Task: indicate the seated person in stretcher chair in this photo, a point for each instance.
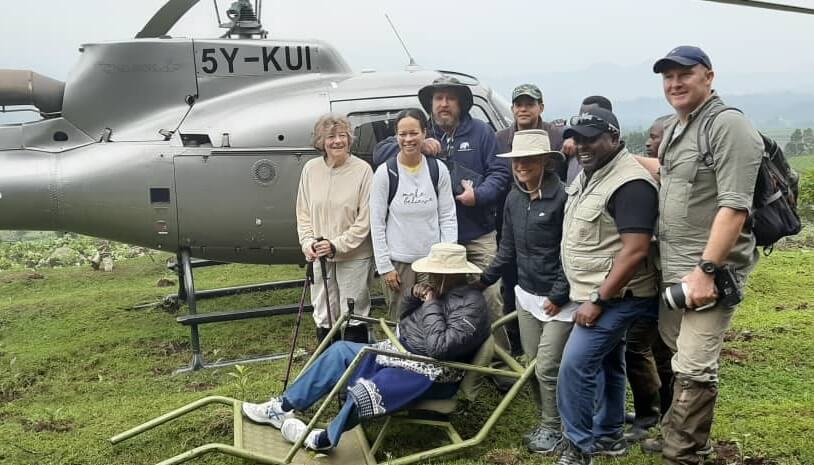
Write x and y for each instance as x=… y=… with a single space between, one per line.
x=444 y=319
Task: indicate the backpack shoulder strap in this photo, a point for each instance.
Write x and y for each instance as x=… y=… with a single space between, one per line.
x=432 y=164
x=704 y=131
x=393 y=178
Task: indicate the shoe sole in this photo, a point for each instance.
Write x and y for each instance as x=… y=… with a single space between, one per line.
x=262 y=420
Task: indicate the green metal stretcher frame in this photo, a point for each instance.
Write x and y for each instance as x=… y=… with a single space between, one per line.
x=518 y=372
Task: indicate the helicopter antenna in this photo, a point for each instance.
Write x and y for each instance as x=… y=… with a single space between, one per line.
x=767 y=6
x=412 y=65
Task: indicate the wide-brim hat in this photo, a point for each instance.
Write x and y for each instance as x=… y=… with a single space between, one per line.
x=530 y=143
x=445 y=258
x=449 y=83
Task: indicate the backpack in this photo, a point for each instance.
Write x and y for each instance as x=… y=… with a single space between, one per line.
x=393 y=177
x=774 y=205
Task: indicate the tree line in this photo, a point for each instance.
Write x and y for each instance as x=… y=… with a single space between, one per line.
x=800 y=143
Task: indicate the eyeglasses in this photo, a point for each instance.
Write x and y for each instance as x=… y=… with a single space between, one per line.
x=587 y=119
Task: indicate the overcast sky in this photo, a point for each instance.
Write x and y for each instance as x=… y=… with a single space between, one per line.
x=491 y=39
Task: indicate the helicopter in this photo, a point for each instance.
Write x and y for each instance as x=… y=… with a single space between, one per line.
x=186 y=144
x=194 y=146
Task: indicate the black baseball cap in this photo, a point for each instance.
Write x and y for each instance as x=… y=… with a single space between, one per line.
x=592 y=123
x=683 y=55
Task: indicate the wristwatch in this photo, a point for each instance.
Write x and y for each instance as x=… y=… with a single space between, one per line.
x=596 y=299
x=707 y=266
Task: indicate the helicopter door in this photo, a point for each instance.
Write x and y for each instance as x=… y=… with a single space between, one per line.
x=238 y=204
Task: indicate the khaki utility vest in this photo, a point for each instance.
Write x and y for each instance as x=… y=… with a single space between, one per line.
x=590 y=240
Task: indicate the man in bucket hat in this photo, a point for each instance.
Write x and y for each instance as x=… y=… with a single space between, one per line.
x=532 y=231
x=479 y=178
x=444 y=319
x=606 y=254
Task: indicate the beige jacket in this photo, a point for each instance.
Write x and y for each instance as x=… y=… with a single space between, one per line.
x=333 y=203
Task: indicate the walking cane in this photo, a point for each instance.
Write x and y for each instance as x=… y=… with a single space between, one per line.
x=309 y=279
x=322 y=268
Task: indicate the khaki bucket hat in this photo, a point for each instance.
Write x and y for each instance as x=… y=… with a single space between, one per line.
x=529 y=143
x=445 y=258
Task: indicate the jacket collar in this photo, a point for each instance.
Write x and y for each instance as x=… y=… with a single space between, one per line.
x=464 y=126
x=579 y=183
x=710 y=101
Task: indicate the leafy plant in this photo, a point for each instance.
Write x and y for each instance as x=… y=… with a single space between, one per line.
x=241 y=378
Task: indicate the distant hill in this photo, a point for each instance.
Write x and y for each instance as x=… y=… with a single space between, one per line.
x=771 y=99
x=786 y=110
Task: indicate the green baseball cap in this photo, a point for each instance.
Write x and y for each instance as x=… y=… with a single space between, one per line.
x=527 y=89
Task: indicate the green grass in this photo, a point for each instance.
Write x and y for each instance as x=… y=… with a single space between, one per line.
x=802 y=163
x=77 y=366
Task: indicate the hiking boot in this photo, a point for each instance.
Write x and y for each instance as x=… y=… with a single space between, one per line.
x=610 y=446
x=654 y=446
x=570 y=455
x=545 y=441
x=687 y=425
x=270 y=413
x=527 y=438
x=630 y=417
x=293 y=429
x=636 y=433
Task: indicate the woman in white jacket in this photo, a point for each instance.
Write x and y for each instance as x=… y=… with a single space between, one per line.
x=406 y=219
x=333 y=221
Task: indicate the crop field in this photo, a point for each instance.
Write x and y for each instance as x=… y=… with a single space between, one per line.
x=78 y=365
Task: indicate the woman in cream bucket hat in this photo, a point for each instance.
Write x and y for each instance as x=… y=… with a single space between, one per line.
x=532 y=231
x=446 y=259
x=446 y=322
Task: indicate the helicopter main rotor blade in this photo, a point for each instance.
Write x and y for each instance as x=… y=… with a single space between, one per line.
x=165 y=18
x=767 y=6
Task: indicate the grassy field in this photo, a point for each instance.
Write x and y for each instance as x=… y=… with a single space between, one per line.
x=77 y=366
x=802 y=163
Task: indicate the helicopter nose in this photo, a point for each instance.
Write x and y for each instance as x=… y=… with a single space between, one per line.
x=28 y=191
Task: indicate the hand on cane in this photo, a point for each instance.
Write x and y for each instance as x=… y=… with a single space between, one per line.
x=393 y=280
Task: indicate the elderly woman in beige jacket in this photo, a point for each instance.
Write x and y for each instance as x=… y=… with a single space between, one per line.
x=332 y=204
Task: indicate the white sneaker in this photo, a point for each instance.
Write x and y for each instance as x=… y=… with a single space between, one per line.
x=292 y=431
x=270 y=413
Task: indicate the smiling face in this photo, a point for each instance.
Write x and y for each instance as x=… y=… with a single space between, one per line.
x=446 y=108
x=526 y=111
x=337 y=142
x=593 y=153
x=686 y=88
x=410 y=136
x=528 y=170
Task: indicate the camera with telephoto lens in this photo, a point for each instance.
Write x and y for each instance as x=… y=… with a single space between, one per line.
x=726 y=283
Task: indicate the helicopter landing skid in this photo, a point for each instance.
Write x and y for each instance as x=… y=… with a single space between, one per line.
x=188 y=295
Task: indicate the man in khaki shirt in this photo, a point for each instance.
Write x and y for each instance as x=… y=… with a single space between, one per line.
x=704 y=204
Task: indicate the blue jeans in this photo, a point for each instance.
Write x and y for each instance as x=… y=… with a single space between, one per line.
x=591 y=385
x=318 y=381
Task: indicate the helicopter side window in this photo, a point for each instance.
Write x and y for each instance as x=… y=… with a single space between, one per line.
x=477 y=112
x=369 y=129
x=372 y=127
